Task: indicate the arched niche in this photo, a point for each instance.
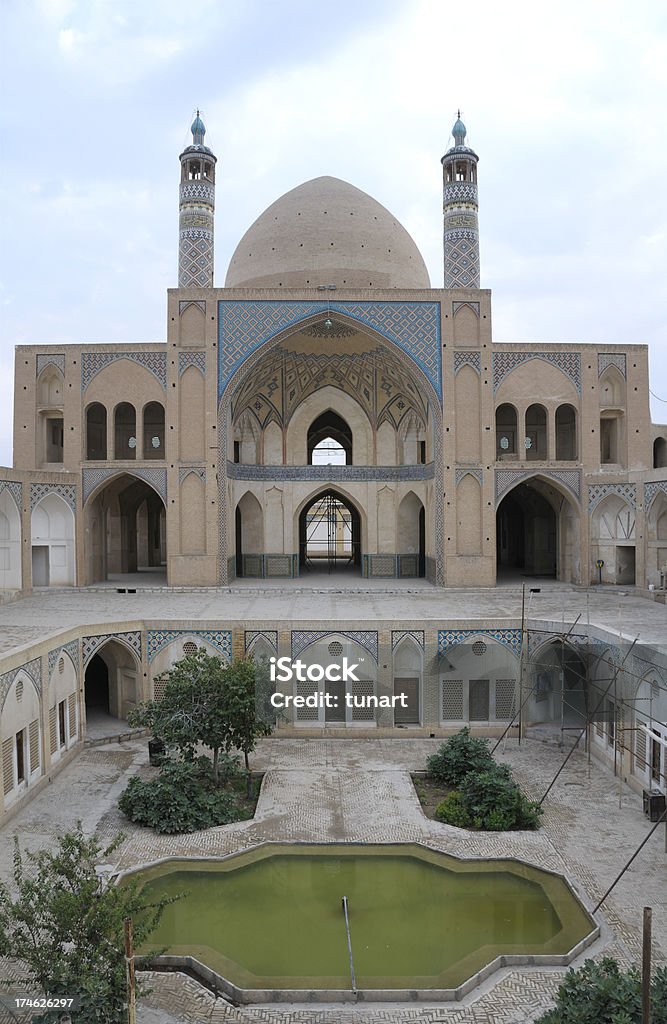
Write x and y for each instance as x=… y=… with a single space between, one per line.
x=411 y=534
x=329 y=440
x=478 y=681
x=125 y=431
x=611 y=389
x=386 y=444
x=557 y=686
x=20 y=735
x=180 y=647
x=96 y=431
x=536 y=433
x=330 y=651
x=50 y=387
x=566 y=433
x=63 y=706
x=191 y=415
x=192 y=515
x=613 y=540
x=660 y=453
x=10 y=543
x=408 y=667
x=469 y=516
x=348 y=409
x=112 y=682
x=506 y=431
x=53 y=554
x=273 y=444
x=249 y=526
x=153 y=433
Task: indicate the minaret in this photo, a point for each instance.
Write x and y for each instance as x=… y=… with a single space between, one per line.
x=196 y=212
x=459 y=209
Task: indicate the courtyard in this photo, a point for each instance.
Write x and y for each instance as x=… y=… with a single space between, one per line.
x=360 y=790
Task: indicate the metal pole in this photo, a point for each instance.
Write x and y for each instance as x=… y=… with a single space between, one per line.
x=131 y=981
x=349 y=944
x=523 y=641
x=663 y=817
x=646 y=967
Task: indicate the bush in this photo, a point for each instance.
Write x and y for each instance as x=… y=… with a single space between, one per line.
x=452 y=811
x=600 y=993
x=183 y=798
x=494 y=802
x=457 y=757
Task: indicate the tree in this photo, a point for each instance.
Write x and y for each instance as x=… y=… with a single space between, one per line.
x=209 y=703
x=241 y=713
x=67 y=932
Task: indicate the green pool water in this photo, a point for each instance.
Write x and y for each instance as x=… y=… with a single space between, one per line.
x=273 y=918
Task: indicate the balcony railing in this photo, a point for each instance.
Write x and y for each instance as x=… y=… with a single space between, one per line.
x=242 y=471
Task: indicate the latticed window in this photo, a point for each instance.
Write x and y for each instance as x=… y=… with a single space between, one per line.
x=452 y=700
x=305 y=688
x=33 y=744
x=8 y=765
x=362 y=688
x=53 y=729
x=71 y=707
x=505 y=701
x=640 y=750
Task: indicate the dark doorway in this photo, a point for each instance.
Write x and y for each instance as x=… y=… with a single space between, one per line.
x=422 y=541
x=329 y=535
x=97 y=685
x=526 y=533
x=239 y=543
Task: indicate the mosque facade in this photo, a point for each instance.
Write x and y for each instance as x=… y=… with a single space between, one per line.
x=326 y=411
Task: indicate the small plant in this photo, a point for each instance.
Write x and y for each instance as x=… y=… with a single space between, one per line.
x=452 y=812
x=457 y=757
x=601 y=993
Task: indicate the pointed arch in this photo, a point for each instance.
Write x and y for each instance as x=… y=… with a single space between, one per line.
x=52 y=536
x=125 y=522
x=538 y=529
x=408 y=663
x=112 y=680
x=10 y=542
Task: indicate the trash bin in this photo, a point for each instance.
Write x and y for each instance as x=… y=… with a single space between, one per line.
x=156 y=752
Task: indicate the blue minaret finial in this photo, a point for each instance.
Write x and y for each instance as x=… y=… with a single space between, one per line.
x=198 y=130
x=459 y=130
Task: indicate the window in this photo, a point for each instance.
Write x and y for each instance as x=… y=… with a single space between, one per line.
x=62 y=732
x=54 y=439
x=96 y=431
x=20 y=756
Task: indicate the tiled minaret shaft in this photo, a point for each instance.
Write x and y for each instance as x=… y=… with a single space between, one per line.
x=459 y=209
x=196 y=212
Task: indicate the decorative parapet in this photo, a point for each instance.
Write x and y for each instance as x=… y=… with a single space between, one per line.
x=239 y=471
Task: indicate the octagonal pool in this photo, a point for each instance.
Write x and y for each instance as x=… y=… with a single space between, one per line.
x=271 y=921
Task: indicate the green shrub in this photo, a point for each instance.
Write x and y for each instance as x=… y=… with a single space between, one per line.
x=183 y=798
x=494 y=802
x=457 y=757
x=452 y=811
x=601 y=993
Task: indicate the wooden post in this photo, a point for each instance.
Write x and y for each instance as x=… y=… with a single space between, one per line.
x=129 y=964
x=646 y=967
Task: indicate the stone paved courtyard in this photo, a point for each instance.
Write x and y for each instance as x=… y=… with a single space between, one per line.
x=360 y=790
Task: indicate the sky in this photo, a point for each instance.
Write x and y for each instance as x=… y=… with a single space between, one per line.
x=564 y=103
